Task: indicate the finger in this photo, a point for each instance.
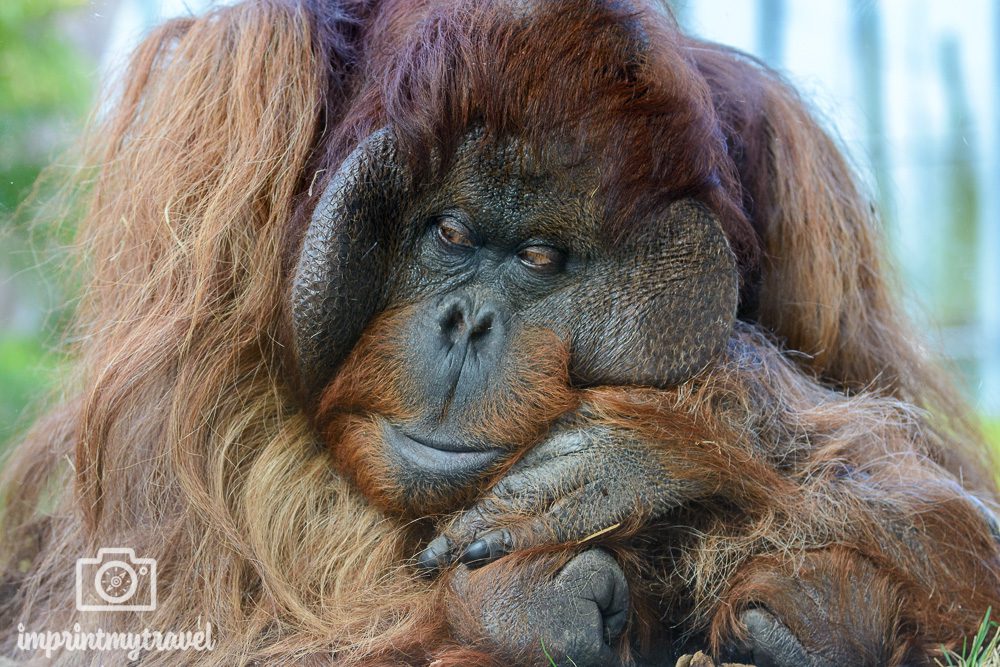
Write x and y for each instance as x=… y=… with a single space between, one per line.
x=445 y=549
x=561 y=445
x=523 y=494
x=489 y=547
x=539 y=531
x=455 y=543
x=770 y=642
x=582 y=515
x=546 y=473
x=531 y=488
x=603 y=581
x=436 y=555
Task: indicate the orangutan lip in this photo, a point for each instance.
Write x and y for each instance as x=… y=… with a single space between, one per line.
x=440 y=445
x=445 y=458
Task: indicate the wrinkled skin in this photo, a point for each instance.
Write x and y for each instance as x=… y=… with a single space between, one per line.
x=578 y=613
x=498 y=249
x=526 y=251
x=579 y=481
x=463 y=271
x=583 y=480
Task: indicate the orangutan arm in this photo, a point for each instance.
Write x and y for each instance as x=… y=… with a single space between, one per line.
x=582 y=480
x=527 y=607
x=763 y=463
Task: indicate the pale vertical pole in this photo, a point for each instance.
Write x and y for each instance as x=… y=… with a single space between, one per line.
x=771 y=31
x=989 y=247
x=866 y=28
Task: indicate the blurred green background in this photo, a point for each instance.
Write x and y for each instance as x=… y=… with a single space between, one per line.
x=46 y=88
x=913 y=94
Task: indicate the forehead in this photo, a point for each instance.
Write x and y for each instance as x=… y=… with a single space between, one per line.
x=511 y=192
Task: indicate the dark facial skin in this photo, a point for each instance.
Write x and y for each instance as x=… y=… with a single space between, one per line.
x=467 y=305
x=505 y=244
x=486 y=264
x=469 y=271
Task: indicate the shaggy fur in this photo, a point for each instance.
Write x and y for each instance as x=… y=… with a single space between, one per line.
x=181 y=433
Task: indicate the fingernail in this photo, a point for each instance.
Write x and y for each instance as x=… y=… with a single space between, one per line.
x=478 y=550
x=428 y=559
x=435 y=554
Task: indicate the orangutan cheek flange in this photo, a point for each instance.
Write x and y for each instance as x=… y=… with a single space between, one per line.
x=433 y=333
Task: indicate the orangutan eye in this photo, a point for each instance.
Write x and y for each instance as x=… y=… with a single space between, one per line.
x=451 y=232
x=542 y=258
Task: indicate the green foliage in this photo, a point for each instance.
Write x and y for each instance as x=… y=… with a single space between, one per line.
x=44 y=83
x=546 y=652
x=552 y=662
x=45 y=89
x=991 y=427
x=983 y=651
x=40 y=72
x=26 y=367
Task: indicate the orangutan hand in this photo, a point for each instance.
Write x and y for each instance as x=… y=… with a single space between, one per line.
x=534 y=609
x=579 y=482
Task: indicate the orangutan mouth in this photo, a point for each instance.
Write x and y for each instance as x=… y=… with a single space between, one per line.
x=438 y=457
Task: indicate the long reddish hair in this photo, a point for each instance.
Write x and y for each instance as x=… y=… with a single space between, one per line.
x=178 y=433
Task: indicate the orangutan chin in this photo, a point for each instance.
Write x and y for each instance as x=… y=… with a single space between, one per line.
x=475 y=332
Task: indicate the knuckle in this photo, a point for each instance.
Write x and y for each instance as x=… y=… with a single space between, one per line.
x=468 y=525
x=506 y=487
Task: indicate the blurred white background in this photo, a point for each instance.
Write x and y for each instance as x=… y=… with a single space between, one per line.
x=911 y=87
